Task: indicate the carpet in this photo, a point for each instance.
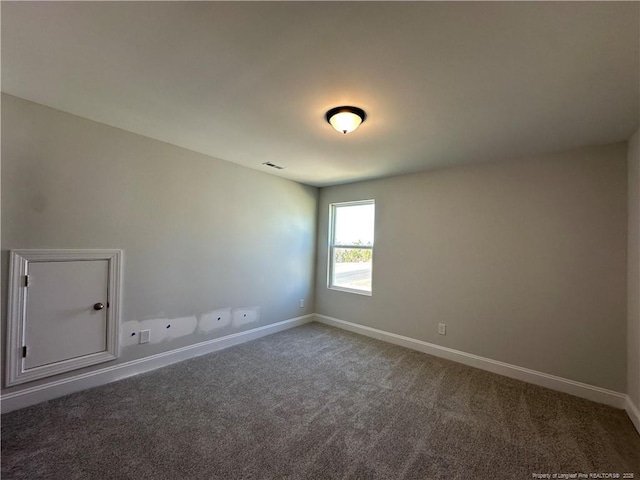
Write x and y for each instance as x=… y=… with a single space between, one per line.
x=316 y=402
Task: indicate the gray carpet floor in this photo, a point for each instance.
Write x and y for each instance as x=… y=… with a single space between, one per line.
x=316 y=402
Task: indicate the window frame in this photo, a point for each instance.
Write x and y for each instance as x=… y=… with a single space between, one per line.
x=332 y=246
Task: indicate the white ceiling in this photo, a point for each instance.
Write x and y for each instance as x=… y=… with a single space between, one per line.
x=249 y=82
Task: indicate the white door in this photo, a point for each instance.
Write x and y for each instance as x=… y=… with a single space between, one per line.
x=66 y=314
x=63 y=311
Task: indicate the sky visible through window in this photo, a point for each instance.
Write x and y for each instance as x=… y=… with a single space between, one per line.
x=354 y=225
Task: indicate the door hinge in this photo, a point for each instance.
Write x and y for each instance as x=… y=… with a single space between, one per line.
x=26 y=280
x=24 y=351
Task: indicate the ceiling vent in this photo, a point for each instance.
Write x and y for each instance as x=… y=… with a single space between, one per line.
x=273 y=165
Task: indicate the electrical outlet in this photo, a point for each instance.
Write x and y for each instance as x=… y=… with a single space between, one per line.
x=302 y=303
x=145 y=336
x=442 y=328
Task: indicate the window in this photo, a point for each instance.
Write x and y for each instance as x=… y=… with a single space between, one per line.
x=351 y=246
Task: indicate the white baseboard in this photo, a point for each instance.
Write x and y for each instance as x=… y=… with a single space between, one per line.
x=634 y=413
x=583 y=390
x=58 y=388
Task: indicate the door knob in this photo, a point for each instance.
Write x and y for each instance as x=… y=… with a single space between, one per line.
x=98 y=306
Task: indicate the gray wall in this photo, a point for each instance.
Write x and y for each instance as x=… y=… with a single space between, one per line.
x=199 y=234
x=633 y=272
x=525 y=262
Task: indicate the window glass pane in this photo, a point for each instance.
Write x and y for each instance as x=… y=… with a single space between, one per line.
x=352 y=268
x=354 y=225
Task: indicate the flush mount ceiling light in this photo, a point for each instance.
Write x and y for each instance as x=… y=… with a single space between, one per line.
x=345 y=119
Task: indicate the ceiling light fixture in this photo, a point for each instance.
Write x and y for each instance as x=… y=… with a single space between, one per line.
x=345 y=119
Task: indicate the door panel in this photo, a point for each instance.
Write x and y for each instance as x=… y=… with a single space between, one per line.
x=61 y=322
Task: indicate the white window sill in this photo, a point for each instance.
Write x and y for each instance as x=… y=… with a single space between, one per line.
x=350 y=290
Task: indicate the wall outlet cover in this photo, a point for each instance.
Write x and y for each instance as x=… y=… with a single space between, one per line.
x=145 y=336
